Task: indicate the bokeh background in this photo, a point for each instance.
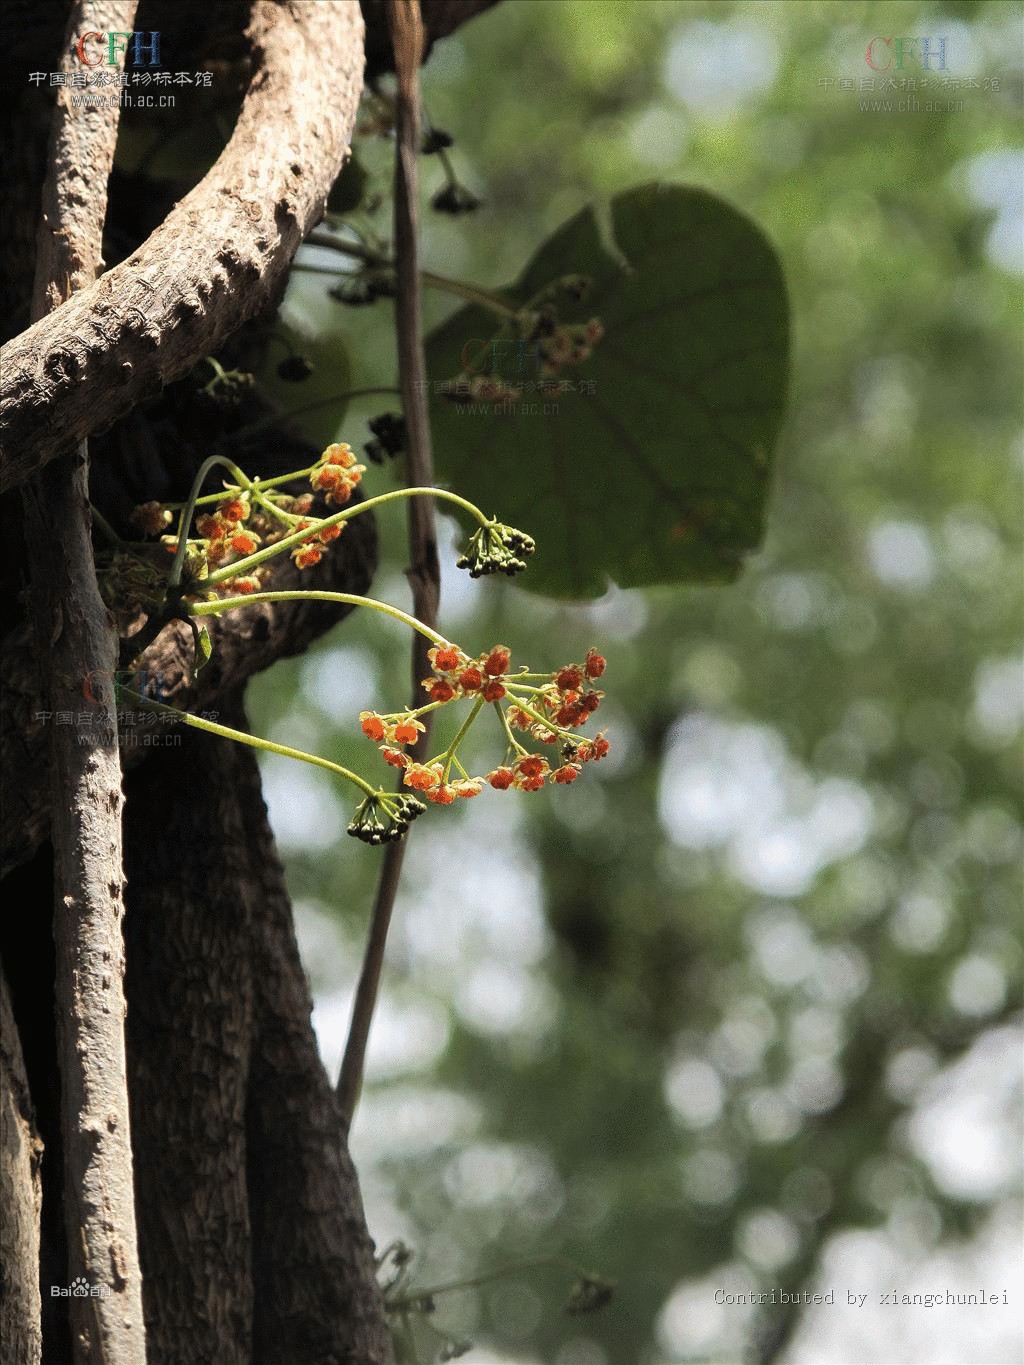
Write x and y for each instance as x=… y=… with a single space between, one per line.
x=740 y=1011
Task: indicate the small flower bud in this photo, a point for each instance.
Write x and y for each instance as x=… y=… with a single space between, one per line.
x=151 y=518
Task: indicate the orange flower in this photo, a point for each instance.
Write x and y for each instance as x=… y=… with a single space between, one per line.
x=501 y=779
x=471 y=679
x=420 y=777
x=445 y=658
x=441 y=796
x=371 y=724
x=307 y=556
x=407 y=731
x=595 y=664
x=234 y=510
x=440 y=690
x=569 y=679
x=331 y=532
x=339 y=454
x=531 y=765
x=244 y=543
x=395 y=758
x=497 y=661
x=470 y=786
x=246 y=585
x=493 y=691
x=567 y=773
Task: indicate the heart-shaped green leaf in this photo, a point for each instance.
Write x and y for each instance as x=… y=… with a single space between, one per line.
x=654 y=466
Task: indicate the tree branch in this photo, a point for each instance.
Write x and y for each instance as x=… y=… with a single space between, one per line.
x=424 y=571
x=74 y=635
x=440 y=17
x=217 y=258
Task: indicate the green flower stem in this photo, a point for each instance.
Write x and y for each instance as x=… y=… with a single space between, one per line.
x=541 y=720
x=449 y=753
x=410 y=1301
x=250 y=562
x=314 y=595
x=399 y=716
x=483 y=297
x=358 y=250
x=105 y=526
x=245 y=566
x=218 y=370
x=375 y=260
x=230 y=489
x=286 y=518
x=254 y=741
x=185 y=520
x=516 y=746
x=442 y=493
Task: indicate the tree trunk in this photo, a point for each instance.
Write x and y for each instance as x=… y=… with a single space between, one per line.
x=21 y=1197
x=252 y=1238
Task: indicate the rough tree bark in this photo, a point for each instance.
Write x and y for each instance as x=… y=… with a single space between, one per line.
x=21 y=1197
x=218 y=257
x=266 y=1259
x=75 y=638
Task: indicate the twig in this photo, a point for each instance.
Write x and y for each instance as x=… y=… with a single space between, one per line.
x=405 y=24
x=75 y=640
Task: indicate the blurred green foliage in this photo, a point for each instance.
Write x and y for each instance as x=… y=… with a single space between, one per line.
x=675 y=1018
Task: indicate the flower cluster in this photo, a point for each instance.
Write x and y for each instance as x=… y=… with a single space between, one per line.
x=549 y=346
x=549 y=707
x=403 y=729
x=225 y=535
x=383 y=817
x=456 y=675
x=336 y=474
x=560 y=344
x=252 y=516
x=496 y=548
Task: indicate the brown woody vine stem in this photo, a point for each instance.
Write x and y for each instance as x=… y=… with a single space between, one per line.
x=75 y=639
x=217 y=259
x=406 y=29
